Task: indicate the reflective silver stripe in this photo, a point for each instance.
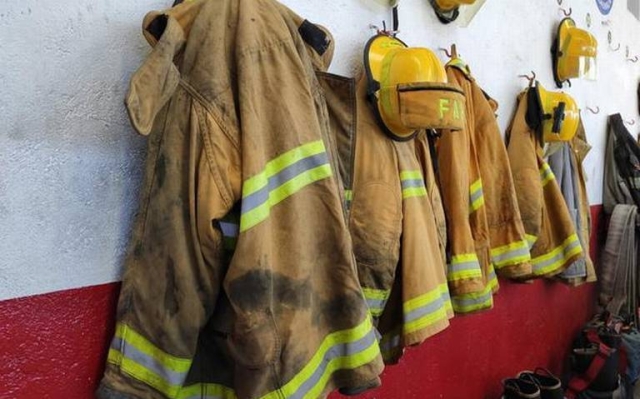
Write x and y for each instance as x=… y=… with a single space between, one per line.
x=558 y=257
x=412 y=183
x=461 y=266
x=476 y=195
x=261 y=196
x=376 y=305
x=340 y=350
x=229 y=230
x=132 y=353
x=507 y=256
x=424 y=310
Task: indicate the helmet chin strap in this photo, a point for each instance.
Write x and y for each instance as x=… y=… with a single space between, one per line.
x=445 y=17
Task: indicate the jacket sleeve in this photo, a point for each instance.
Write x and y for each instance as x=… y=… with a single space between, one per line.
x=463 y=268
x=174 y=267
x=527 y=175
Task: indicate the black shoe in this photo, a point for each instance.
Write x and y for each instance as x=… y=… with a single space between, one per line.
x=516 y=388
x=549 y=385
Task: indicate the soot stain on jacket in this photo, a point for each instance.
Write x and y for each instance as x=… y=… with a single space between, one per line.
x=340 y=310
x=260 y=288
x=170 y=300
x=161 y=170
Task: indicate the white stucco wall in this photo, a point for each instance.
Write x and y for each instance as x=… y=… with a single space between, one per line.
x=70 y=164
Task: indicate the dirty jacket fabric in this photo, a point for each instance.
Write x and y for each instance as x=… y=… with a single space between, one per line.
x=508 y=246
x=395 y=233
x=238 y=117
x=547 y=222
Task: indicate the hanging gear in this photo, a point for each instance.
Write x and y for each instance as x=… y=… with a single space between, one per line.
x=553 y=115
x=448 y=11
x=408 y=89
x=574 y=53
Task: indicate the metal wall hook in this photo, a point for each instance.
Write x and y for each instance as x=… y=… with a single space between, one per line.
x=445 y=51
x=593 y=111
x=566 y=14
x=531 y=78
x=630 y=123
x=559 y=2
x=384 y=30
x=634 y=59
x=587 y=19
x=453 y=53
x=614 y=49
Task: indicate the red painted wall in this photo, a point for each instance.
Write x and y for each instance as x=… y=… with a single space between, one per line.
x=54 y=345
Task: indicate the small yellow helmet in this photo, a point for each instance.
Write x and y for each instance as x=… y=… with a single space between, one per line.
x=574 y=53
x=554 y=115
x=408 y=89
x=447 y=10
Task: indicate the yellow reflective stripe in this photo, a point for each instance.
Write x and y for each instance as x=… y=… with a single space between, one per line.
x=261 y=213
x=350 y=361
x=207 y=391
x=546 y=174
x=475 y=186
x=376 y=300
x=259 y=181
x=426 y=310
x=464 y=266
x=510 y=254
x=555 y=258
x=414 y=192
x=476 y=196
x=131 y=337
x=531 y=240
x=410 y=174
x=476 y=204
x=372 y=293
x=141 y=373
x=412 y=184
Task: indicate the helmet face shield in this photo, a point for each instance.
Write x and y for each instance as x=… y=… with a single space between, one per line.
x=408 y=89
x=574 y=53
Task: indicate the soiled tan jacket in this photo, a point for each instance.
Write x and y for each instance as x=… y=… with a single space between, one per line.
x=395 y=234
x=234 y=113
x=546 y=219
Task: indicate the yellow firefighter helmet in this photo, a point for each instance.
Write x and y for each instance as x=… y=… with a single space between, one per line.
x=554 y=115
x=408 y=89
x=574 y=53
